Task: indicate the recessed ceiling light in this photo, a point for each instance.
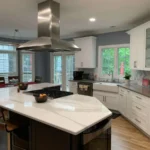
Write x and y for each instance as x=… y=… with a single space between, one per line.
x=92 y=19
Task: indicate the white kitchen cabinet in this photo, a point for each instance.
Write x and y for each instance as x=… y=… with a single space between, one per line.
x=73 y=87
x=140 y=47
x=135 y=107
x=129 y=104
x=86 y=58
x=110 y=100
x=122 y=104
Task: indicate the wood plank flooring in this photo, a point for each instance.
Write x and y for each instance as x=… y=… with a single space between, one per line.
x=126 y=137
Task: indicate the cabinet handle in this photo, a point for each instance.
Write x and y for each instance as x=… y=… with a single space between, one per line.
x=137 y=121
x=121 y=95
x=135 y=64
x=138 y=97
x=138 y=108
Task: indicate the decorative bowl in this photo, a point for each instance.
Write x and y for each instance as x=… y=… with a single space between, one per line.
x=23 y=86
x=40 y=98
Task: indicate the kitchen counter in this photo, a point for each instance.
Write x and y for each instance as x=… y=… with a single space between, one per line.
x=137 y=88
x=72 y=114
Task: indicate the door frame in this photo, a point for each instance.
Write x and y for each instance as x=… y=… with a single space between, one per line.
x=63 y=54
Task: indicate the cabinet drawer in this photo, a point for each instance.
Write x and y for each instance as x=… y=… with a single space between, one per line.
x=139 y=110
x=142 y=100
x=122 y=91
x=140 y=122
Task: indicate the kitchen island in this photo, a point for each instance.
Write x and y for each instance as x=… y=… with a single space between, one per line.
x=67 y=123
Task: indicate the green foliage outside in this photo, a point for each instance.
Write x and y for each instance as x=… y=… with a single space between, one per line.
x=124 y=56
x=108 y=60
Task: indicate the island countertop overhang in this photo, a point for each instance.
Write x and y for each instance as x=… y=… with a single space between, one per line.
x=72 y=114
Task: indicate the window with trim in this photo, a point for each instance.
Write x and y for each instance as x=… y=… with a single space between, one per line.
x=8 y=61
x=114 y=58
x=27 y=70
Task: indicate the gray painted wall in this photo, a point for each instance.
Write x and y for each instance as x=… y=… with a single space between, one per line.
x=42 y=65
x=113 y=38
x=42 y=59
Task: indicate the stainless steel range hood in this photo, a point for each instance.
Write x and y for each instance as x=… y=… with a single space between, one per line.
x=48 y=31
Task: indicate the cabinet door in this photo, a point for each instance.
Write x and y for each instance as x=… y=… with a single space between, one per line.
x=147 y=50
x=111 y=102
x=137 y=50
x=99 y=97
x=79 y=55
x=129 y=105
x=122 y=104
x=86 y=57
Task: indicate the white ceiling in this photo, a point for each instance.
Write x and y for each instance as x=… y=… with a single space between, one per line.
x=124 y=14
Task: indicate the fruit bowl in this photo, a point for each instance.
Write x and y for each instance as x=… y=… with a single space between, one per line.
x=23 y=86
x=40 y=98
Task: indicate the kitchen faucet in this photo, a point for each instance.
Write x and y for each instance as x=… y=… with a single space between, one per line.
x=112 y=75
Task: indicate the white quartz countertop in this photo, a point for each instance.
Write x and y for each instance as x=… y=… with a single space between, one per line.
x=72 y=114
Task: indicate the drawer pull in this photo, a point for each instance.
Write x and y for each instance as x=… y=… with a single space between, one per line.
x=137 y=121
x=138 y=97
x=138 y=108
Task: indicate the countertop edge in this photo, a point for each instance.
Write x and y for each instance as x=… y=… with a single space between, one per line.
x=128 y=88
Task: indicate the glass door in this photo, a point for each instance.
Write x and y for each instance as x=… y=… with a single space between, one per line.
x=70 y=67
x=63 y=67
x=57 y=77
x=27 y=67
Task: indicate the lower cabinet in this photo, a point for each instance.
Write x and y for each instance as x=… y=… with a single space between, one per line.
x=73 y=87
x=110 y=100
x=136 y=108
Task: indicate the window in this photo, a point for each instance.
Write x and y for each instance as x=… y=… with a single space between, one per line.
x=107 y=60
x=123 y=59
x=8 y=61
x=27 y=67
x=114 y=58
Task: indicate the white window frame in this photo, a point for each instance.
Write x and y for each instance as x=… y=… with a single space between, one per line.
x=10 y=52
x=63 y=54
x=33 y=64
x=115 y=72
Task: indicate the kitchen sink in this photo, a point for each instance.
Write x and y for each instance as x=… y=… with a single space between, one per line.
x=106 y=86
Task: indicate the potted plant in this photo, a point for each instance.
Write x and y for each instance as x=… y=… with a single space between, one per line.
x=127 y=78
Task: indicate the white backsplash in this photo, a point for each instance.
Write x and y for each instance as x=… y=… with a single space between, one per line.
x=137 y=75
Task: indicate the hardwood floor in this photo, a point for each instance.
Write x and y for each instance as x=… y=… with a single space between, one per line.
x=126 y=137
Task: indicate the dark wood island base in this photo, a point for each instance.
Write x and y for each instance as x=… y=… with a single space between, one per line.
x=33 y=135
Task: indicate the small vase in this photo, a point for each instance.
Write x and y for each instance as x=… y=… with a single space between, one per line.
x=127 y=82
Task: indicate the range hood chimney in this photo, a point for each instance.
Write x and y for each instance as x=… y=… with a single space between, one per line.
x=48 y=31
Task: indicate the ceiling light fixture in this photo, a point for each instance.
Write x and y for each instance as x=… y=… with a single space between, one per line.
x=92 y=19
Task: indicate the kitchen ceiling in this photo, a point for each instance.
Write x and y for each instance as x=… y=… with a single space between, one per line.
x=75 y=14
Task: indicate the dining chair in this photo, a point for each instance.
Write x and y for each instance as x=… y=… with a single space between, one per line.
x=2 y=82
x=13 y=80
